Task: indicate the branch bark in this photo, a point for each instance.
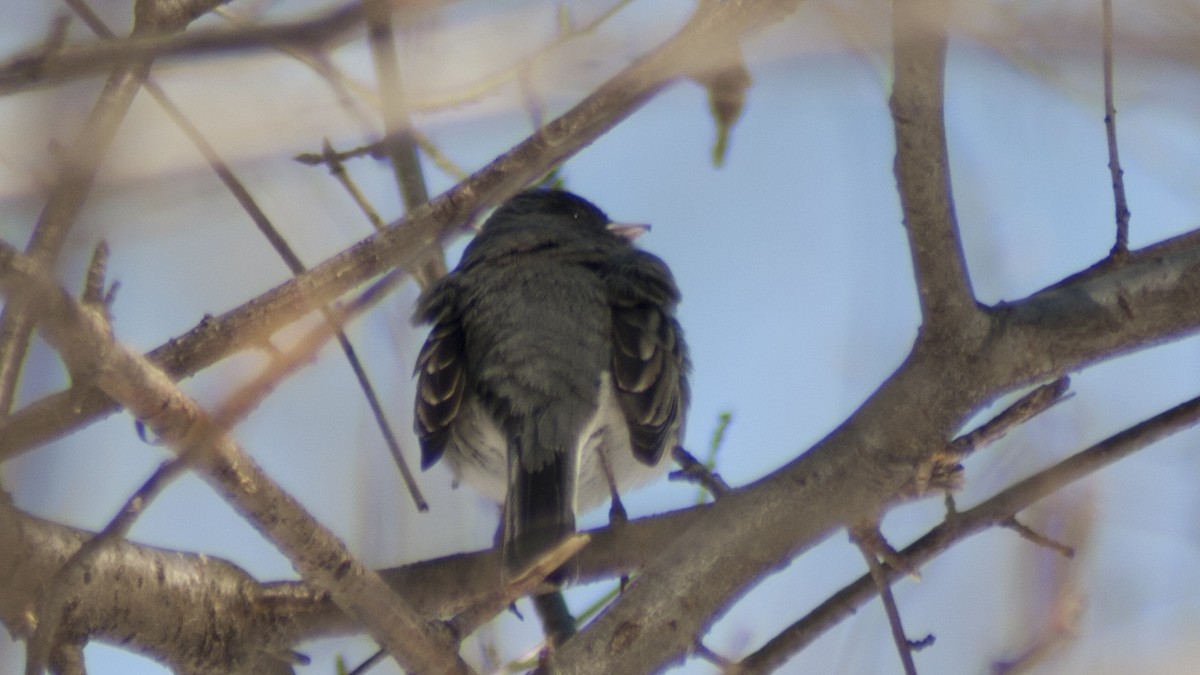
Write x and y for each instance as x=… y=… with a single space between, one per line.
x=83 y=339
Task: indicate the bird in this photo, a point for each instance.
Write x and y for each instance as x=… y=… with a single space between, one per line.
x=555 y=373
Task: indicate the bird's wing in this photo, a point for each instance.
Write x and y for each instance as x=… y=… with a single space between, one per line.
x=649 y=359
x=441 y=371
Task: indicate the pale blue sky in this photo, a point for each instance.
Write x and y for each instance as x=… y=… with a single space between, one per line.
x=798 y=302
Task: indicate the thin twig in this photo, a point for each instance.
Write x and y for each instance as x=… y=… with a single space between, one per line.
x=398 y=140
x=278 y=243
x=1029 y=533
x=693 y=471
x=884 y=588
x=1121 y=248
x=333 y=160
x=42 y=68
x=1032 y=404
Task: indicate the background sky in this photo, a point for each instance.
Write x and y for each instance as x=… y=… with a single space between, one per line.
x=797 y=286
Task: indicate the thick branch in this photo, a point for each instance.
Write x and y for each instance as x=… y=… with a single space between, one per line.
x=147 y=599
x=923 y=166
x=990 y=513
x=857 y=470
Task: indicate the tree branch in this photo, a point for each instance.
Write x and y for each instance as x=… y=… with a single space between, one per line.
x=861 y=467
x=84 y=341
x=993 y=512
x=77 y=172
x=923 y=167
x=406 y=241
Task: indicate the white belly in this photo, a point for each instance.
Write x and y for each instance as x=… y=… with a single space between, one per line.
x=484 y=464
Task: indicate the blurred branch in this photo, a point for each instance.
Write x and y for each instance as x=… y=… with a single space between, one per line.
x=277 y=242
x=923 y=167
x=480 y=88
x=83 y=338
x=398 y=140
x=44 y=68
x=408 y=240
x=77 y=171
x=278 y=615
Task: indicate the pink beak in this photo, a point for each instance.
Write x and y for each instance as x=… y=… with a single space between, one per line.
x=630 y=231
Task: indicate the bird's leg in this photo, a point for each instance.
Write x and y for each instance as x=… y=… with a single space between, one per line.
x=557 y=621
x=616 y=512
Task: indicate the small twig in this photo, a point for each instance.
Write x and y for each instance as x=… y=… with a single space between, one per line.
x=1121 y=248
x=693 y=471
x=469 y=620
x=1024 y=409
x=474 y=91
x=278 y=243
x=889 y=606
x=398 y=139
x=1027 y=532
x=337 y=169
x=868 y=537
x=701 y=650
x=724 y=419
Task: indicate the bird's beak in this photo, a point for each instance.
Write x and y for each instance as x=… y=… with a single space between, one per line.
x=630 y=231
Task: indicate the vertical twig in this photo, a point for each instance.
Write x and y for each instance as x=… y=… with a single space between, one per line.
x=398 y=140
x=77 y=172
x=923 y=166
x=1121 y=248
x=889 y=606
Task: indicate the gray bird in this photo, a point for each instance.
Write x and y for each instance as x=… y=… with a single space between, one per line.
x=555 y=373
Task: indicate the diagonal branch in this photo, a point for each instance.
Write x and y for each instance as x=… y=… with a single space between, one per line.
x=992 y=512
x=861 y=468
x=406 y=241
x=83 y=339
x=77 y=172
x=923 y=166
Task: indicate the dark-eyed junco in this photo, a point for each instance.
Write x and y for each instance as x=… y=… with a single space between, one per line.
x=555 y=371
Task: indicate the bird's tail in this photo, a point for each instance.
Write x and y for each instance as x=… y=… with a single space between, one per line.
x=539 y=511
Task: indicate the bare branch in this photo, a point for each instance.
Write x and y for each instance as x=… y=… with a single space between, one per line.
x=398 y=139
x=923 y=167
x=993 y=512
x=85 y=343
x=46 y=68
x=884 y=588
x=1036 y=402
x=406 y=241
x=865 y=464
x=1042 y=540
x=1121 y=248
x=77 y=172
